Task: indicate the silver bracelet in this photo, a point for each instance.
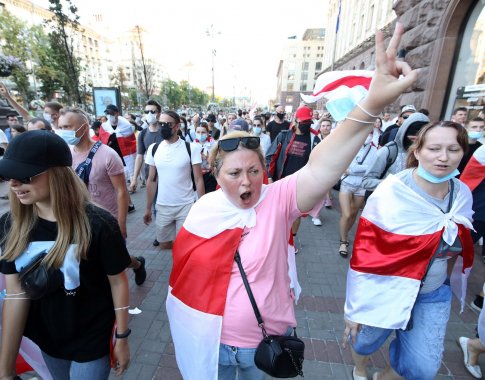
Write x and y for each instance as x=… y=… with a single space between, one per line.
x=359 y=121
x=367 y=112
x=122 y=308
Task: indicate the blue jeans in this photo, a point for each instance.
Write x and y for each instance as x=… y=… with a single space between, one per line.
x=416 y=353
x=241 y=360
x=61 y=369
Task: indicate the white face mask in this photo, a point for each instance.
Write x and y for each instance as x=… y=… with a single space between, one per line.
x=112 y=119
x=47 y=117
x=151 y=118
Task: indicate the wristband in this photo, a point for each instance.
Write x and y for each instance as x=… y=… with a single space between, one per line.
x=126 y=334
x=367 y=112
x=359 y=121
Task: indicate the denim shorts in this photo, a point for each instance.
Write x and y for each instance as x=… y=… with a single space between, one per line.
x=415 y=353
x=238 y=360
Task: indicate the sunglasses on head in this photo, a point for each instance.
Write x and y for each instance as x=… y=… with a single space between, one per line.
x=25 y=181
x=150 y=111
x=228 y=145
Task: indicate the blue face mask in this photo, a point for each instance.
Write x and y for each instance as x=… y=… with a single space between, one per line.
x=431 y=178
x=257 y=131
x=475 y=135
x=69 y=136
x=201 y=137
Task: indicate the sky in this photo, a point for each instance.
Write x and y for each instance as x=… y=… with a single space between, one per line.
x=248 y=37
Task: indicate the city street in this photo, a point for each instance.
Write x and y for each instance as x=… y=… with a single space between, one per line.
x=319 y=312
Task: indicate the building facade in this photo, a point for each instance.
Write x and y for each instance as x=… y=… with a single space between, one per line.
x=445 y=39
x=302 y=59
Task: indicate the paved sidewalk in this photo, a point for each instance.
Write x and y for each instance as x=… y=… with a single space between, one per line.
x=319 y=312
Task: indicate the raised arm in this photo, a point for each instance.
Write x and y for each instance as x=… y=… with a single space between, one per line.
x=330 y=158
x=21 y=110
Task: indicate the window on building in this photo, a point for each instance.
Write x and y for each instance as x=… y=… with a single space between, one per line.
x=318 y=66
x=289 y=87
x=291 y=66
x=291 y=75
x=304 y=75
x=304 y=66
x=370 y=16
x=289 y=99
x=303 y=87
x=294 y=55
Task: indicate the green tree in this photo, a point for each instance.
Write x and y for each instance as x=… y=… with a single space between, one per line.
x=64 y=25
x=17 y=42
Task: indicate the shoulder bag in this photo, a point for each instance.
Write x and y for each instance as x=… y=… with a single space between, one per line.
x=38 y=280
x=280 y=356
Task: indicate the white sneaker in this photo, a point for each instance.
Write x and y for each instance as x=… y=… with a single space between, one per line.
x=316 y=221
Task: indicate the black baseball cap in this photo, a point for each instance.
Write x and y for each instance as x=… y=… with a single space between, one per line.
x=111 y=108
x=32 y=153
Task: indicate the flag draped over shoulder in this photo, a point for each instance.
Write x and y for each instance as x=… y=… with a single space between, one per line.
x=331 y=83
x=124 y=132
x=203 y=256
x=398 y=233
x=474 y=172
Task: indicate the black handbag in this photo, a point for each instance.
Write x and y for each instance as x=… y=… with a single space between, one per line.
x=38 y=280
x=279 y=356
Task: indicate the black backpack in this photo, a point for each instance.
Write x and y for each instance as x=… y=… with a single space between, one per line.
x=187 y=146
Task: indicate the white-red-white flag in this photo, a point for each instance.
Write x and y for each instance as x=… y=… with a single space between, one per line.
x=398 y=233
x=330 y=83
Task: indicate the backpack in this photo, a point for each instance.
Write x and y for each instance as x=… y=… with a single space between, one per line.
x=391 y=158
x=187 y=146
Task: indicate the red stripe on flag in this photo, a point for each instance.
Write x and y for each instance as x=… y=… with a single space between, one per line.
x=385 y=253
x=21 y=365
x=474 y=173
x=202 y=269
x=349 y=81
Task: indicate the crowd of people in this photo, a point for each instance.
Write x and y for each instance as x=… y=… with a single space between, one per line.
x=226 y=185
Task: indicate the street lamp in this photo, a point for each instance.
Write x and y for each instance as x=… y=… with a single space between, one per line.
x=210 y=33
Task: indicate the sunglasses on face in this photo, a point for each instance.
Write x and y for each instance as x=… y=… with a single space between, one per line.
x=25 y=181
x=228 y=145
x=405 y=117
x=166 y=124
x=150 y=111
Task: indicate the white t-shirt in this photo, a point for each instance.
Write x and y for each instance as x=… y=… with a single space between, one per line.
x=173 y=168
x=3 y=137
x=265 y=142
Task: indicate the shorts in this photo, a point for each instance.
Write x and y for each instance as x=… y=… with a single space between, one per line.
x=352 y=189
x=169 y=221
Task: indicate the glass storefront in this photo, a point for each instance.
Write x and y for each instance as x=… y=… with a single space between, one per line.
x=468 y=87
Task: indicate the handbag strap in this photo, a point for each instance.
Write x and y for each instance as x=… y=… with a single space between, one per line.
x=87 y=163
x=237 y=258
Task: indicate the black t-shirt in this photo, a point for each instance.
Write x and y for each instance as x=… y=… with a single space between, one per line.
x=466 y=157
x=274 y=128
x=145 y=139
x=298 y=154
x=77 y=325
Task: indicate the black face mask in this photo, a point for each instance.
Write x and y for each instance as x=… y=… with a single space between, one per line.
x=281 y=115
x=166 y=131
x=304 y=127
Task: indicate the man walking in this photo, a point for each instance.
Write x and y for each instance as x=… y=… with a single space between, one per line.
x=102 y=171
x=177 y=164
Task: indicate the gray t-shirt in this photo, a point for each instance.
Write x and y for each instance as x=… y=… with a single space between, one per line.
x=437 y=273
